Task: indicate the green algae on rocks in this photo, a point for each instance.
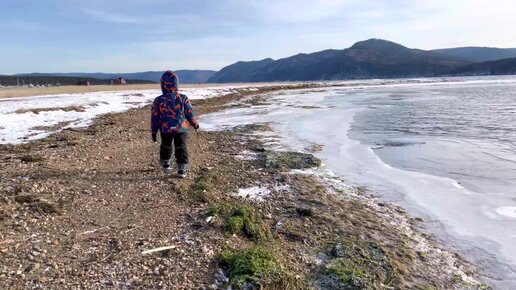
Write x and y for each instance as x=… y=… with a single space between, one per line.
x=356 y=265
x=290 y=160
x=241 y=220
x=258 y=267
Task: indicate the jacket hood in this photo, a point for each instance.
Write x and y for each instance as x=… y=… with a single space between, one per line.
x=169 y=83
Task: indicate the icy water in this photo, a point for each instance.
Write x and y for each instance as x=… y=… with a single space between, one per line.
x=444 y=149
x=447 y=151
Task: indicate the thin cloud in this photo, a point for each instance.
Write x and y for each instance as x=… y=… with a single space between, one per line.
x=112 y=17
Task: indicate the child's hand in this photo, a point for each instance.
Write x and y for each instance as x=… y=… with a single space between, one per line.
x=154 y=138
x=195 y=125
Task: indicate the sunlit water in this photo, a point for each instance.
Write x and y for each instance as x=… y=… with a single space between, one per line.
x=445 y=151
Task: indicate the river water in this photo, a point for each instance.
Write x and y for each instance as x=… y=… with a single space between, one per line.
x=444 y=149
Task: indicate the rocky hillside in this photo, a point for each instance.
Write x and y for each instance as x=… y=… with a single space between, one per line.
x=242 y=71
x=372 y=58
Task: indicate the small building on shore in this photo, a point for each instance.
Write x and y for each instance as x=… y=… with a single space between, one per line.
x=83 y=83
x=118 y=81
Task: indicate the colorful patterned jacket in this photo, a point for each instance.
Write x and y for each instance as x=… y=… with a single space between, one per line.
x=172 y=111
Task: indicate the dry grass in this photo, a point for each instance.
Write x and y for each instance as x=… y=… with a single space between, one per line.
x=39 y=110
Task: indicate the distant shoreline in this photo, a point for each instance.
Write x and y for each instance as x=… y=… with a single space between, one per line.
x=16 y=92
x=20 y=92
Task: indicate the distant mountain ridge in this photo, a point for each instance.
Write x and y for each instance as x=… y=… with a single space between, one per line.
x=185 y=76
x=242 y=70
x=478 y=54
x=498 y=67
x=373 y=58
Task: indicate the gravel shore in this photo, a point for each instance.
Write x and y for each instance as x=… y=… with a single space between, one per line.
x=82 y=208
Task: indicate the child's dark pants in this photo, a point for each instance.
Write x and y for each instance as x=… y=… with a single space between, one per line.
x=180 y=147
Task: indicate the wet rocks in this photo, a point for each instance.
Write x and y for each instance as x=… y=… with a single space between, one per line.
x=45 y=207
x=25 y=198
x=32 y=158
x=305 y=211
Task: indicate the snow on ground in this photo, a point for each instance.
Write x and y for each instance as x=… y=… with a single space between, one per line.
x=247 y=155
x=254 y=193
x=30 y=118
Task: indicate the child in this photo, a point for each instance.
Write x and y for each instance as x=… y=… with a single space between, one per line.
x=171 y=113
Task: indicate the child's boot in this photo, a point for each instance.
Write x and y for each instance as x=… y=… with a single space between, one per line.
x=182 y=170
x=165 y=164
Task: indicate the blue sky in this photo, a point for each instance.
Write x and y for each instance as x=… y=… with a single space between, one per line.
x=139 y=35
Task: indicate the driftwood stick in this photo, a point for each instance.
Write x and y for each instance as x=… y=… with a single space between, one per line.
x=9 y=241
x=93 y=231
x=158 y=250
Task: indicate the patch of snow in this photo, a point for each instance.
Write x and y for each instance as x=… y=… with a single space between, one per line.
x=507 y=211
x=254 y=193
x=247 y=155
x=283 y=188
x=205 y=93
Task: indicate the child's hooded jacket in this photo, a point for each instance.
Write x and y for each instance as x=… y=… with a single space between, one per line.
x=172 y=111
